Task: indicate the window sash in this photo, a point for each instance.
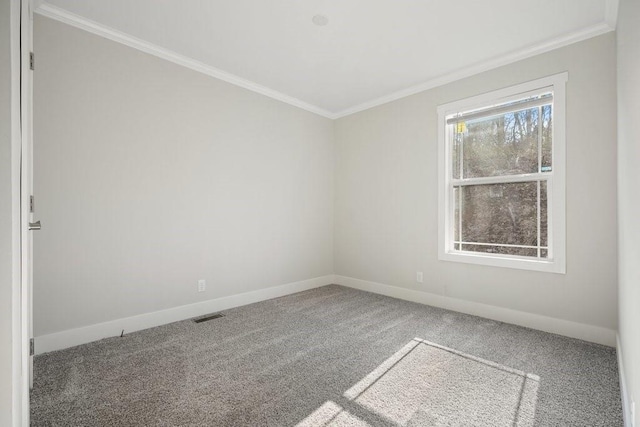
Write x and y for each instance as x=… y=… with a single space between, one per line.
x=504 y=179
x=539 y=100
x=451 y=134
x=503 y=245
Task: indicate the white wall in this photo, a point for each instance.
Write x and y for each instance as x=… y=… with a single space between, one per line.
x=386 y=200
x=150 y=176
x=628 y=35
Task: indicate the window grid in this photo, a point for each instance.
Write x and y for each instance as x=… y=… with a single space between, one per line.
x=484 y=225
x=457 y=245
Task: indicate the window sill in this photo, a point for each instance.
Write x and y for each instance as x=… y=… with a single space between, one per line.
x=520 y=263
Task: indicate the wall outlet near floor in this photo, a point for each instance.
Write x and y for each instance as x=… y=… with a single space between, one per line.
x=419 y=277
x=202 y=285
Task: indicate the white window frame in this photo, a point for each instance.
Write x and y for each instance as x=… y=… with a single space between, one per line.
x=556 y=184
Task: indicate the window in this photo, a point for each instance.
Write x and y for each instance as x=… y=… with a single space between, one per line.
x=502 y=177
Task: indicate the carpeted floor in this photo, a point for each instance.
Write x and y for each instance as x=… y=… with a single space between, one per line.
x=427 y=384
x=279 y=362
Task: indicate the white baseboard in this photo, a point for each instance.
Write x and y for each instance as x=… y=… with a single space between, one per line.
x=626 y=410
x=83 y=335
x=567 y=328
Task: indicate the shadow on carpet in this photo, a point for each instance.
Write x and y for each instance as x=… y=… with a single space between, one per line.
x=425 y=384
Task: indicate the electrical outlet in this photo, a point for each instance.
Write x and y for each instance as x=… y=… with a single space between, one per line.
x=202 y=285
x=419 y=277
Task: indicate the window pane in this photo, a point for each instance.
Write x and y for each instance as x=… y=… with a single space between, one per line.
x=544 y=253
x=547 y=134
x=500 y=213
x=506 y=144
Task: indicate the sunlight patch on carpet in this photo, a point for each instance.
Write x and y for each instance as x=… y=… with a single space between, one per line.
x=426 y=384
x=332 y=414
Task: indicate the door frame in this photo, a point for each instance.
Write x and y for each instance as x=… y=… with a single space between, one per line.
x=17 y=395
x=21 y=36
x=26 y=187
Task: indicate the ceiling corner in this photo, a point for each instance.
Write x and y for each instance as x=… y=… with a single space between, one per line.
x=599 y=17
x=45 y=9
x=511 y=57
x=611 y=13
x=35 y=4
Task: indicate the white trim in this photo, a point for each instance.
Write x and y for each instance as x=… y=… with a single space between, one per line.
x=503 y=179
x=555 y=179
x=611 y=13
x=19 y=395
x=499 y=260
x=26 y=190
x=77 y=21
x=83 y=335
x=53 y=12
x=553 y=325
x=507 y=94
x=518 y=55
x=626 y=410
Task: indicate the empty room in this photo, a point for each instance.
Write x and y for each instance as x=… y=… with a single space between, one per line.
x=319 y=213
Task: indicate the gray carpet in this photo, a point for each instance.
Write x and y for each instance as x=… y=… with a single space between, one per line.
x=428 y=384
x=329 y=354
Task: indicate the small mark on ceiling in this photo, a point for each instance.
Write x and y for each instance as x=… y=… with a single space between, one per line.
x=320 y=20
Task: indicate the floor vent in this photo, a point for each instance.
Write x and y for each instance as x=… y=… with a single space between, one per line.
x=206 y=318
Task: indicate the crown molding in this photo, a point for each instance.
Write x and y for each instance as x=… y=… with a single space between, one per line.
x=77 y=21
x=509 y=58
x=608 y=25
x=611 y=13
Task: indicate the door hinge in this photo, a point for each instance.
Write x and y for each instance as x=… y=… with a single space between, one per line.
x=32 y=347
x=31 y=204
x=31 y=60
